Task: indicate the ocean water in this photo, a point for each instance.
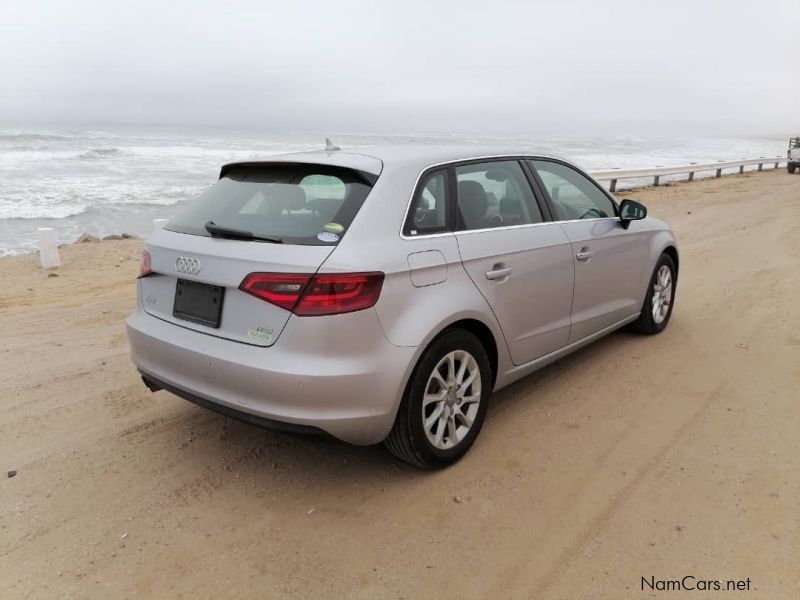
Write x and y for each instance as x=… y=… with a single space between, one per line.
x=116 y=179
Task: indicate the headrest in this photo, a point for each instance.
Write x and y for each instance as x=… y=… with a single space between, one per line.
x=472 y=202
x=287 y=197
x=497 y=175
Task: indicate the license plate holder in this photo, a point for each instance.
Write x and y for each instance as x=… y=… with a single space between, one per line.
x=198 y=302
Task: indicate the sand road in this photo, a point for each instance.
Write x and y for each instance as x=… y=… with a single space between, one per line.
x=658 y=457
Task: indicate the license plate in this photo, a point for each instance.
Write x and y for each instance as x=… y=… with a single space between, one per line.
x=198 y=302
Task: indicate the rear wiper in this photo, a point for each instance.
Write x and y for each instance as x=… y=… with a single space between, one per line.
x=238 y=234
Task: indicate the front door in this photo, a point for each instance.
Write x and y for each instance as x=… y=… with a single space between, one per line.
x=608 y=258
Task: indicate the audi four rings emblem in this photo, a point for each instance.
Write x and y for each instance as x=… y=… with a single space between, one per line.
x=184 y=264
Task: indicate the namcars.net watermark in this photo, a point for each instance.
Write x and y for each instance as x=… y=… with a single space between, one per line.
x=690 y=583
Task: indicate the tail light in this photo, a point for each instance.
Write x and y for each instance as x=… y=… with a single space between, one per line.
x=278 y=289
x=147 y=263
x=316 y=295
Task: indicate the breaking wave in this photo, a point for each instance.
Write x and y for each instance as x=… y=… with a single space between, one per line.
x=46 y=211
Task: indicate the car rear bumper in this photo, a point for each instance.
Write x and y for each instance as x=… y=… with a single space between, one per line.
x=348 y=388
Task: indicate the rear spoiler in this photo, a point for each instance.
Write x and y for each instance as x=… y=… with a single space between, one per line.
x=368 y=178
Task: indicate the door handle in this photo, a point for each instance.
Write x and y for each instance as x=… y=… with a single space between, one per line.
x=585 y=254
x=499 y=271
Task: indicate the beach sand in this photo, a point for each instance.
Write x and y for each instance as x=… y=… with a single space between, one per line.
x=662 y=456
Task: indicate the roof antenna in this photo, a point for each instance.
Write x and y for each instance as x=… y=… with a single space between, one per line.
x=329 y=145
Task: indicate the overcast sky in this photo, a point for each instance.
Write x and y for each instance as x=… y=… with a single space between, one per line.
x=406 y=66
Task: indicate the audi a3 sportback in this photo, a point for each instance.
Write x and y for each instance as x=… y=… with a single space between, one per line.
x=383 y=294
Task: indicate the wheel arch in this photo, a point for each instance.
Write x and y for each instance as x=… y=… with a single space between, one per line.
x=472 y=324
x=672 y=252
x=485 y=336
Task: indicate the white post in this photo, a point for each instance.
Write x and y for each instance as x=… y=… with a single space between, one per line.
x=48 y=248
x=159 y=224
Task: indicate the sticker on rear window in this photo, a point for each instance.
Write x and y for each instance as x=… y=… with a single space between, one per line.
x=327 y=236
x=333 y=228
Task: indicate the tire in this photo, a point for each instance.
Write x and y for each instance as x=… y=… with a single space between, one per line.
x=651 y=321
x=410 y=440
x=791 y=168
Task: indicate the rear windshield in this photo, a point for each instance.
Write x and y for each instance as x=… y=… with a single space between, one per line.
x=299 y=204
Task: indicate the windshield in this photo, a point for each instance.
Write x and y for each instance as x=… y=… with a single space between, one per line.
x=297 y=204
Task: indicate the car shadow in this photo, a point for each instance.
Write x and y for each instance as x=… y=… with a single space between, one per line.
x=525 y=390
x=222 y=443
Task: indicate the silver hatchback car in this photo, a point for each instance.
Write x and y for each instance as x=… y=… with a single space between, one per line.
x=383 y=294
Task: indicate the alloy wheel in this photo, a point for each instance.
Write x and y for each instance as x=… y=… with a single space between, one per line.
x=662 y=294
x=451 y=400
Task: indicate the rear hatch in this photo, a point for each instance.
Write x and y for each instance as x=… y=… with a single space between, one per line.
x=258 y=218
x=223 y=264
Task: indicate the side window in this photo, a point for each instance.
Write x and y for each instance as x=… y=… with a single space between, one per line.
x=495 y=194
x=573 y=195
x=429 y=209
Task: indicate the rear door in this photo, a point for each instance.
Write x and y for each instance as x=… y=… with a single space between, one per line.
x=609 y=259
x=521 y=264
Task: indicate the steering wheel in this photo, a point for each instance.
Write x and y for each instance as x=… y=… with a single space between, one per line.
x=600 y=214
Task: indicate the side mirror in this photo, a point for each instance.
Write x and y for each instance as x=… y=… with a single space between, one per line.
x=630 y=210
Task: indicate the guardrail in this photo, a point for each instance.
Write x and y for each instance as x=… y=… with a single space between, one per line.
x=614 y=175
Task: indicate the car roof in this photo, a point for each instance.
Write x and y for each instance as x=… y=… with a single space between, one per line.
x=373 y=159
